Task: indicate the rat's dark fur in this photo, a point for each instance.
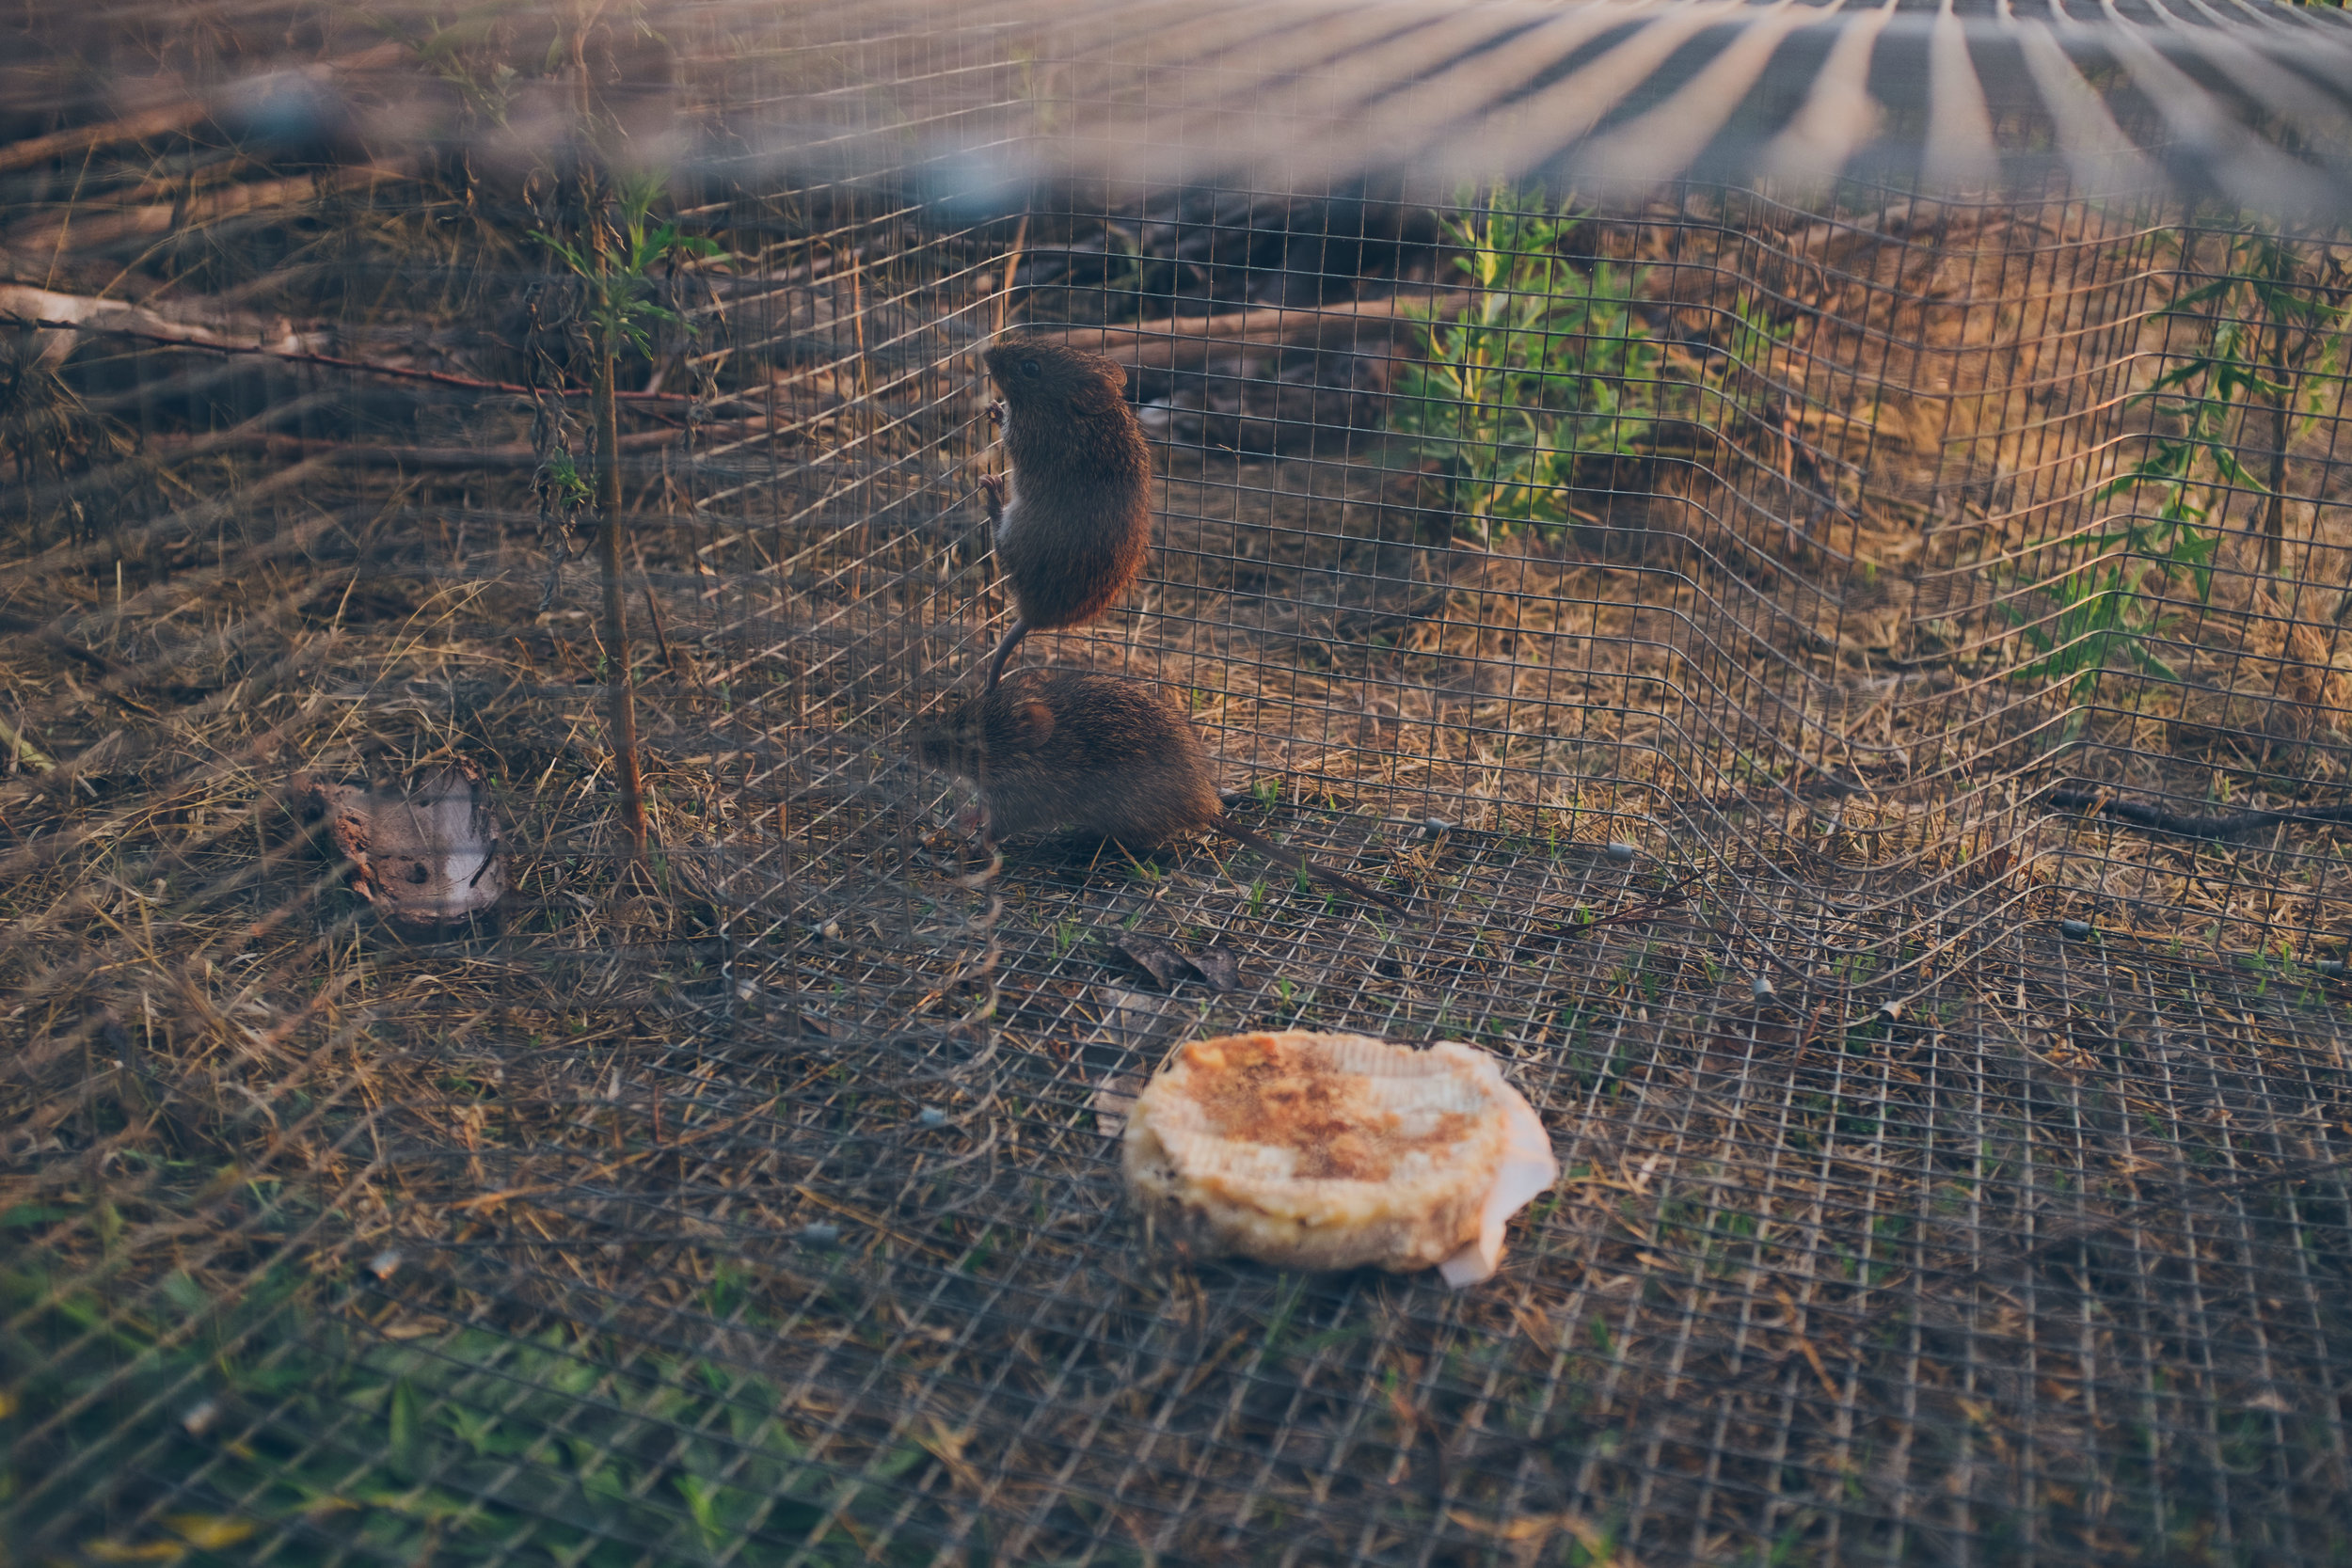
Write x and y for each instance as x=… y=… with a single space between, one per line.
x=1074 y=517
x=1097 y=756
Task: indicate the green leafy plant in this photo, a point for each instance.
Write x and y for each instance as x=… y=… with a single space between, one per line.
x=1546 y=365
x=2260 y=326
x=567 y=489
x=619 y=273
x=297 y=1429
x=462 y=53
x=2103 y=613
x=1542 y=366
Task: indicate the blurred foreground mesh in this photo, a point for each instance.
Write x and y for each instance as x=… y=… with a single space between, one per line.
x=1954 y=1167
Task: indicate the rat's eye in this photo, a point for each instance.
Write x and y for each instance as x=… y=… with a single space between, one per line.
x=1028 y=367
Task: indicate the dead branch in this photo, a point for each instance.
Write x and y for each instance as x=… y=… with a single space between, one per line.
x=103 y=226
x=165 y=119
x=1189 y=343
x=515 y=456
x=67 y=315
x=83 y=138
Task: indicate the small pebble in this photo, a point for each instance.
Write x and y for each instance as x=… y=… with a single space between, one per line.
x=1762 y=986
x=2077 y=930
x=1622 y=853
x=384 y=1264
x=745 y=991
x=199 y=1417
x=829 y=930
x=933 y=1117
x=818 y=1233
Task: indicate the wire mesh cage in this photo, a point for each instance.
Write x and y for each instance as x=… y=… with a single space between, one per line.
x=1848 y=678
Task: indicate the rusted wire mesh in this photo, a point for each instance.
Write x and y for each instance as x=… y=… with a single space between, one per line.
x=1882 y=795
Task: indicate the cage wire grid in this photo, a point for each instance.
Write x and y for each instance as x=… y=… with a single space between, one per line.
x=1948 y=1174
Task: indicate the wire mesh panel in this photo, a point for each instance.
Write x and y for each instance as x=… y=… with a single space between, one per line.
x=1850 y=686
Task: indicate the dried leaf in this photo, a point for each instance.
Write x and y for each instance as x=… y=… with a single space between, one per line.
x=1169 y=964
x=1163 y=963
x=1218 y=966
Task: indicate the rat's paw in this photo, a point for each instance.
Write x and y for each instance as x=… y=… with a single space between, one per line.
x=993 y=495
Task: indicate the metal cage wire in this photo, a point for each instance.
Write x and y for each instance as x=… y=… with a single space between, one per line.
x=1817 y=811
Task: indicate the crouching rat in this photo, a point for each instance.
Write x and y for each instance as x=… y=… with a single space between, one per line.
x=1099 y=755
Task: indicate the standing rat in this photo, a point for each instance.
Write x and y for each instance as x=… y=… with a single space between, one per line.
x=1060 y=747
x=1074 y=522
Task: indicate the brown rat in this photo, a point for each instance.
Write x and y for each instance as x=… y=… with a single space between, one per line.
x=1073 y=748
x=1073 y=523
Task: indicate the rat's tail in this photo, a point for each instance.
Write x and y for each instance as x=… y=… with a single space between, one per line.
x=1290 y=857
x=1004 y=651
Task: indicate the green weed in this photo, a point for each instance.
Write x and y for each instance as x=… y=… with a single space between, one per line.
x=1543 y=366
x=273 y=1423
x=1547 y=366
x=617 y=269
x=2262 y=328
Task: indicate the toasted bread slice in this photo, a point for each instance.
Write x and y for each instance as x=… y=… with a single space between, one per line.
x=1335 y=1152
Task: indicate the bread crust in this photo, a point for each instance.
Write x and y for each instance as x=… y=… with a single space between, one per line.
x=1332 y=1152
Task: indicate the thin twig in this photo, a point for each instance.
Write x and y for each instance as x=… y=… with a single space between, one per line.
x=83 y=138
x=1649 y=909
x=459 y=459
x=653 y=609
x=167 y=118
x=330 y=361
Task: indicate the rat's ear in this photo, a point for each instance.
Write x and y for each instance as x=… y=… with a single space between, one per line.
x=1033 y=722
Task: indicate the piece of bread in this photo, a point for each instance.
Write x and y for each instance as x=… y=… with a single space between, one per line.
x=1335 y=1152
